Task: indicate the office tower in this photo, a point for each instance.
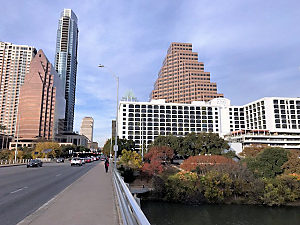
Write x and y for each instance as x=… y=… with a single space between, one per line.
x=14 y=64
x=87 y=127
x=42 y=102
x=66 y=60
x=182 y=78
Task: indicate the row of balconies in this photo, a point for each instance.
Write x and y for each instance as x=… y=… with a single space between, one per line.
x=150 y=136
x=174 y=112
x=166 y=127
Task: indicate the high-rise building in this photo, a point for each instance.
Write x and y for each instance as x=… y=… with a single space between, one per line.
x=66 y=60
x=274 y=121
x=14 y=64
x=42 y=102
x=87 y=127
x=182 y=78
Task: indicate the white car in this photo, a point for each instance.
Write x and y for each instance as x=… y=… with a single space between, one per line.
x=76 y=162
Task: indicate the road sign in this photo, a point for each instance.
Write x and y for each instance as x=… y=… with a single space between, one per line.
x=115 y=148
x=47 y=150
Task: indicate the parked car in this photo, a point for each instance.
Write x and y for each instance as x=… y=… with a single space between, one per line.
x=102 y=157
x=60 y=160
x=76 y=162
x=83 y=160
x=88 y=160
x=35 y=163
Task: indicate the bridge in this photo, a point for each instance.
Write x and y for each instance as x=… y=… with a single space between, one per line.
x=95 y=197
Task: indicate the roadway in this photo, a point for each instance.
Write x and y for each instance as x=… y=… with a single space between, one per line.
x=23 y=190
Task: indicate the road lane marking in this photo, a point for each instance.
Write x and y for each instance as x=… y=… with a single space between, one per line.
x=18 y=190
x=33 y=216
x=58 y=175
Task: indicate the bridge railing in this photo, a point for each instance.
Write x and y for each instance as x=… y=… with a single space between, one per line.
x=131 y=213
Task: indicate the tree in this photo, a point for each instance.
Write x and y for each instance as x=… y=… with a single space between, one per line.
x=160 y=153
x=293 y=164
x=4 y=154
x=205 y=161
x=122 y=144
x=217 y=186
x=268 y=163
x=280 y=191
x=154 y=159
x=2 y=129
x=211 y=143
x=152 y=168
x=81 y=148
x=189 y=145
x=253 y=150
x=65 y=149
x=131 y=160
x=172 y=141
x=106 y=147
x=27 y=152
x=125 y=144
x=39 y=151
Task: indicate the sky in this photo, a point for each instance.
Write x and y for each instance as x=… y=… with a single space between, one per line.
x=250 y=47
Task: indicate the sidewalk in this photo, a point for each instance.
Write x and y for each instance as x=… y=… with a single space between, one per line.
x=89 y=200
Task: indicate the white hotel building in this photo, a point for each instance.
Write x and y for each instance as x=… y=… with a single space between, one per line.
x=273 y=121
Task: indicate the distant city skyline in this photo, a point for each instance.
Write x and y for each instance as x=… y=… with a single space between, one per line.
x=251 y=48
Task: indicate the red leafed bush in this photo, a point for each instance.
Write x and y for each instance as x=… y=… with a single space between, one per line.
x=152 y=168
x=154 y=159
x=203 y=161
x=163 y=153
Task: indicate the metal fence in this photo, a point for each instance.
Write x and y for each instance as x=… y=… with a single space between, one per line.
x=12 y=161
x=131 y=213
x=21 y=161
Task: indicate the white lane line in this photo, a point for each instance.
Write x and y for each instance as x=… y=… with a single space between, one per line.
x=58 y=175
x=18 y=190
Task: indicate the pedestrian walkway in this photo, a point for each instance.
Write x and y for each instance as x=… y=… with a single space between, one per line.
x=89 y=200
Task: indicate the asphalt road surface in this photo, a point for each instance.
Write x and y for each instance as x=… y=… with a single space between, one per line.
x=23 y=190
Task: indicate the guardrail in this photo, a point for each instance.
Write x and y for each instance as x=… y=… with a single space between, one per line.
x=12 y=161
x=21 y=161
x=131 y=213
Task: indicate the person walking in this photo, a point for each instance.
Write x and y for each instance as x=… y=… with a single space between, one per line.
x=106 y=164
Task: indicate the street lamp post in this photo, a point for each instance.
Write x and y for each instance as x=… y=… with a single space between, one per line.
x=116 y=135
x=110 y=145
x=16 y=151
x=142 y=147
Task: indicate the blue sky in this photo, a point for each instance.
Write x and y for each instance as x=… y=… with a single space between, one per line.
x=251 y=47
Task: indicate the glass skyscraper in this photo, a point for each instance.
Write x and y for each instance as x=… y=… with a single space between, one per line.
x=66 y=60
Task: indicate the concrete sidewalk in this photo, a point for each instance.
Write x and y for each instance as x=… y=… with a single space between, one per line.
x=89 y=200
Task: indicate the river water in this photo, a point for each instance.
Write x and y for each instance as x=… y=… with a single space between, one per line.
x=162 y=213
